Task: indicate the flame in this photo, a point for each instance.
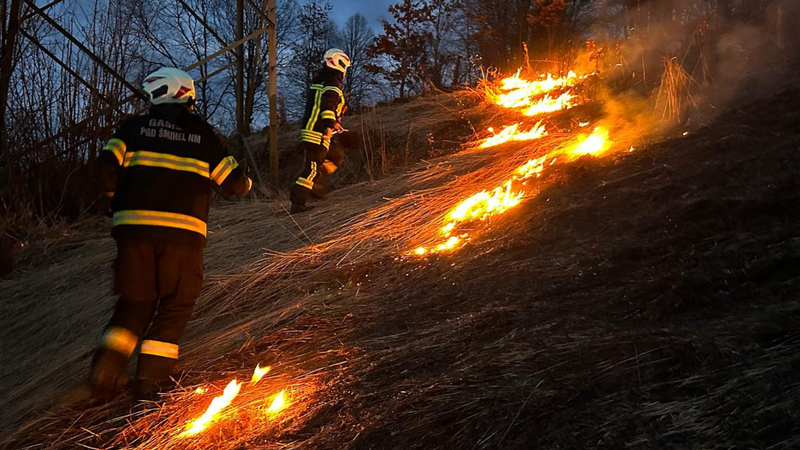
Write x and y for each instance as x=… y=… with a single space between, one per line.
x=512 y=133
x=278 y=403
x=486 y=204
x=521 y=94
x=594 y=144
x=551 y=104
x=217 y=405
x=259 y=373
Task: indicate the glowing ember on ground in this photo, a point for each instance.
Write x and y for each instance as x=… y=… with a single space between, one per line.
x=596 y=143
x=217 y=405
x=259 y=373
x=223 y=401
x=513 y=133
x=278 y=403
x=486 y=204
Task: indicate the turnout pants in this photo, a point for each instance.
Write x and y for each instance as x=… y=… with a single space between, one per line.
x=158 y=284
x=319 y=164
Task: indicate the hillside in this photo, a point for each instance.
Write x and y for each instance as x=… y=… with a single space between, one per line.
x=643 y=300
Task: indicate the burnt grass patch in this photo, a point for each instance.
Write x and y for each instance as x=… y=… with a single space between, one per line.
x=647 y=302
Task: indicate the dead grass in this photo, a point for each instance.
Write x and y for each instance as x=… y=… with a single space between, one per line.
x=624 y=306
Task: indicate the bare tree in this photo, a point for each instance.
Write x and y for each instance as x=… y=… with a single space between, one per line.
x=9 y=31
x=357 y=37
x=317 y=33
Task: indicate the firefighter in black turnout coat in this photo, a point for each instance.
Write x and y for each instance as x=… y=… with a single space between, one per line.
x=159 y=167
x=325 y=105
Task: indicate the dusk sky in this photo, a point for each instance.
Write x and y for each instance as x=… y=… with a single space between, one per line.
x=373 y=10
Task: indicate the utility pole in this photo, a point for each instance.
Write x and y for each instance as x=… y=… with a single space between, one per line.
x=272 y=92
x=240 y=70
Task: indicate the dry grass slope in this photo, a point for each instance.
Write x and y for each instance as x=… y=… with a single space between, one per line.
x=647 y=301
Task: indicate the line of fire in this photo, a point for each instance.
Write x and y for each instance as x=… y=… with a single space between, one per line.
x=508 y=224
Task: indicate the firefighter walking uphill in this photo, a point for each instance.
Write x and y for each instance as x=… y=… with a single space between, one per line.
x=325 y=105
x=159 y=167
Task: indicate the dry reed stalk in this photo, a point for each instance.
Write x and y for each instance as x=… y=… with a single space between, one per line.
x=675 y=91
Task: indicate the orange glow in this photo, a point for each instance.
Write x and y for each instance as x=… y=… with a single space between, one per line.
x=259 y=373
x=551 y=104
x=513 y=133
x=518 y=93
x=486 y=204
x=510 y=193
x=278 y=403
x=594 y=144
x=212 y=413
x=545 y=95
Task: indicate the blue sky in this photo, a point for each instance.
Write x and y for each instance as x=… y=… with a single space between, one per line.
x=373 y=10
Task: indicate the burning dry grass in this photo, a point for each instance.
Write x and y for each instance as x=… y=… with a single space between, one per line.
x=415 y=363
x=385 y=232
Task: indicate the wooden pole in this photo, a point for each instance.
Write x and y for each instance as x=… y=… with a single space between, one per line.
x=273 y=96
x=240 y=68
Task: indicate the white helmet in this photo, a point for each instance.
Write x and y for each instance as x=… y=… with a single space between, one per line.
x=169 y=85
x=337 y=59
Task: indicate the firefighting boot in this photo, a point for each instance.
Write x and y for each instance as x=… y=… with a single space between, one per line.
x=153 y=376
x=298 y=208
x=147 y=389
x=107 y=378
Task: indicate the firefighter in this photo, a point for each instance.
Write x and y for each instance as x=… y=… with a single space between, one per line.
x=159 y=169
x=325 y=105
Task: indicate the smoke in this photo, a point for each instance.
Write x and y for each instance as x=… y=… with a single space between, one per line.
x=734 y=51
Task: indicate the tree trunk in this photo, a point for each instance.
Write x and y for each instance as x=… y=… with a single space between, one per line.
x=6 y=69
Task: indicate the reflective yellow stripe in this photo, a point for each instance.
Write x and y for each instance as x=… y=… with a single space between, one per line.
x=166 y=161
x=223 y=169
x=333 y=88
x=305 y=183
x=326 y=142
x=311 y=133
x=117 y=147
x=312 y=121
x=159 y=348
x=313 y=171
x=315 y=111
x=159 y=219
x=340 y=106
x=313 y=137
x=120 y=340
